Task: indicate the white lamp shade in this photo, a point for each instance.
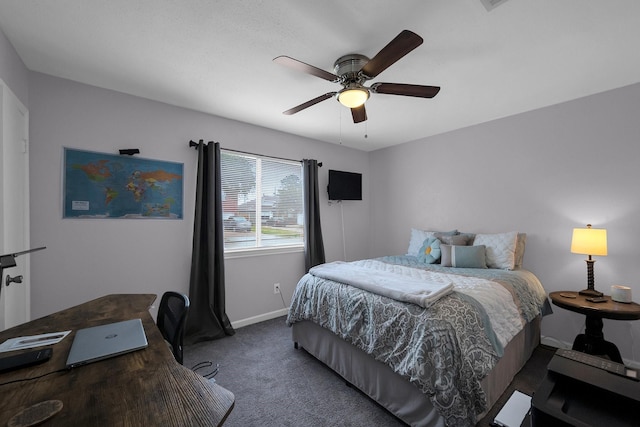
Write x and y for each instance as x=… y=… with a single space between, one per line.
x=353 y=98
x=589 y=241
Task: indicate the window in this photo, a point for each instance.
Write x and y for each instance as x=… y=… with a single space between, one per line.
x=262 y=203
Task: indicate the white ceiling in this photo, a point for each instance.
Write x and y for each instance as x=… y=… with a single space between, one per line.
x=216 y=56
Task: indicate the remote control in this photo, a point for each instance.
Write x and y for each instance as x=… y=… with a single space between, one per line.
x=23 y=360
x=598 y=362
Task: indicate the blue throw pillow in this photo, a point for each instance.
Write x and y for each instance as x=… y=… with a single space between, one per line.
x=430 y=251
x=463 y=256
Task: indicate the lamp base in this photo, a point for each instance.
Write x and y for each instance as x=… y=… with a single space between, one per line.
x=590 y=293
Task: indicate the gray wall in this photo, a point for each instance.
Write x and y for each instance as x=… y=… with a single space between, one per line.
x=13 y=71
x=88 y=258
x=543 y=172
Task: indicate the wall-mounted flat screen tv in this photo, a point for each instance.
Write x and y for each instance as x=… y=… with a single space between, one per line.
x=345 y=185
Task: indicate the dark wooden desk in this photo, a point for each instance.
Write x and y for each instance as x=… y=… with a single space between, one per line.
x=592 y=341
x=146 y=387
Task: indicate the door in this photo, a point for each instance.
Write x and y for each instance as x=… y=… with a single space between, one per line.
x=15 y=301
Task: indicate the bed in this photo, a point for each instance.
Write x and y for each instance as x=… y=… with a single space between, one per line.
x=435 y=341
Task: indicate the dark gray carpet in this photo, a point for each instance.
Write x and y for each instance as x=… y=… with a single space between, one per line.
x=277 y=385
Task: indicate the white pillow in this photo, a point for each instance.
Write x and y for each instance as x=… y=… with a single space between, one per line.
x=417 y=239
x=500 y=249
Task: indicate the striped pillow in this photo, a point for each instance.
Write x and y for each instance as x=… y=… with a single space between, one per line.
x=463 y=256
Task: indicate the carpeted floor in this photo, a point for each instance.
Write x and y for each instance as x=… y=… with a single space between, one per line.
x=277 y=385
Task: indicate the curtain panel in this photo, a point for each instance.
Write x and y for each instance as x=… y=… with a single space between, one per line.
x=207 y=319
x=314 y=245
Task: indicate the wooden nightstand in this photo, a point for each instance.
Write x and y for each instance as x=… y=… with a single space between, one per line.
x=592 y=341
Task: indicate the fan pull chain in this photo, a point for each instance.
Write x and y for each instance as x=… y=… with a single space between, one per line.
x=340 y=126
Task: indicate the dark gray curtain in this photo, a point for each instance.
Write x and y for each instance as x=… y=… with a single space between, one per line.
x=207 y=319
x=313 y=245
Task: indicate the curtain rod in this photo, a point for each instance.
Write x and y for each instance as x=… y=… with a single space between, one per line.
x=195 y=145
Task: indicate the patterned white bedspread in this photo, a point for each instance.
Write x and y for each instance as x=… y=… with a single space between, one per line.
x=446 y=349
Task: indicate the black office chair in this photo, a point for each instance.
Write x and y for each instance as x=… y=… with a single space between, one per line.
x=172 y=319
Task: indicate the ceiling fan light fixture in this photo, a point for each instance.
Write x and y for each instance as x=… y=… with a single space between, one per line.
x=352 y=72
x=353 y=97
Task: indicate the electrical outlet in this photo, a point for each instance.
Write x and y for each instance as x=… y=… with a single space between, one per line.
x=276 y=288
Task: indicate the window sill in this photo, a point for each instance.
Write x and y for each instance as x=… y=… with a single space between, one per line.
x=253 y=252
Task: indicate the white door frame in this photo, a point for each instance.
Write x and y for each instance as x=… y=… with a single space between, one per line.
x=15 y=301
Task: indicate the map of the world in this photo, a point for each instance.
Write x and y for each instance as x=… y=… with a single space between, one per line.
x=99 y=185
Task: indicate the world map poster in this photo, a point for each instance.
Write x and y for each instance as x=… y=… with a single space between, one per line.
x=98 y=185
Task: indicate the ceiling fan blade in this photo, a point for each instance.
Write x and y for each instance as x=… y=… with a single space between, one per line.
x=308 y=104
x=406 y=89
x=305 y=68
x=359 y=114
x=404 y=43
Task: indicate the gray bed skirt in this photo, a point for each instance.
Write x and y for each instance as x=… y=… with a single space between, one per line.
x=394 y=392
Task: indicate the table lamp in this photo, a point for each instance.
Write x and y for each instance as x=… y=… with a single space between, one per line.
x=589 y=241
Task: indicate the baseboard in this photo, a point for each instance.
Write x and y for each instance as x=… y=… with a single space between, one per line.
x=261 y=318
x=554 y=342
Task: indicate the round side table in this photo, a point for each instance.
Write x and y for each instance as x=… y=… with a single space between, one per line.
x=592 y=341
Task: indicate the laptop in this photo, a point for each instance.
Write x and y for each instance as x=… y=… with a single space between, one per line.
x=105 y=341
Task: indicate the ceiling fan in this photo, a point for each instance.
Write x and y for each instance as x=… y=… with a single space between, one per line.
x=353 y=70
